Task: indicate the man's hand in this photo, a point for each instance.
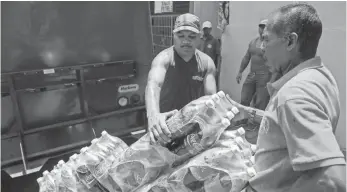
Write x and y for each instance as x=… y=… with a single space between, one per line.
x=242 y=110
x=158 y=129
x=238 y=78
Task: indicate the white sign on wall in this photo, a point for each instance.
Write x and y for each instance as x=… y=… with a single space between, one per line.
x=163 y=6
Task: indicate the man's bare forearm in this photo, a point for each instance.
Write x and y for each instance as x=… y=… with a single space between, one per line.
x=152 y=99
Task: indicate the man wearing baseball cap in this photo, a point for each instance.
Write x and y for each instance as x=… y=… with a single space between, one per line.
x=254 y=86
x=210 y=46
x=178 y=75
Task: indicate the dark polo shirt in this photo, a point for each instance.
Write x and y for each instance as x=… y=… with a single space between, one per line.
x=210 y=46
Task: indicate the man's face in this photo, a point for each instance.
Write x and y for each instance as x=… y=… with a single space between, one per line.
x=185 y=42
x=207 y=31
x=275 y=50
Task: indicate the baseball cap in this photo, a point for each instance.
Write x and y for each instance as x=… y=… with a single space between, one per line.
x=207 y=24
x=187 y=22
x=263 y=22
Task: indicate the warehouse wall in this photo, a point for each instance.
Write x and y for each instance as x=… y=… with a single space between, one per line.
x=207 y=11
x=243 y=27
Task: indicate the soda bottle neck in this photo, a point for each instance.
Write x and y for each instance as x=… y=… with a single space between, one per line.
x=251 y=172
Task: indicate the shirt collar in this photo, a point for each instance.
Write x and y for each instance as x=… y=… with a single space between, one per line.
x=208 y=37
x=313 y=63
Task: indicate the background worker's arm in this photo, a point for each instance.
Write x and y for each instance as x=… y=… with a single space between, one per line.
x=210 y=86
x=244 y=64
x=245 y=60
x=218 y=55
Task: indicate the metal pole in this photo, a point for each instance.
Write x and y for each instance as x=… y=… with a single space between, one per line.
x=83 y=100
x=20 y=121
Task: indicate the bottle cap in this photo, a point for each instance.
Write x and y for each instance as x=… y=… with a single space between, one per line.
x=251 y=172
x=210 y=103
x=61 y=162
x=39 y=179
x=235 y=110
x=253 y=148
x=94 y=141
x=241 y=131
x=104 y=133
x=84 y=149
x=73 y=157
x=45 y=173
x=225 y=122
x=215 y=97
x=230 y=115
x=221 y=94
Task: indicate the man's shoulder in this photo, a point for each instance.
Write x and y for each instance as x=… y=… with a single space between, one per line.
x=321 y=77
x=165 y=56
x=205 y=60
x=316 y=84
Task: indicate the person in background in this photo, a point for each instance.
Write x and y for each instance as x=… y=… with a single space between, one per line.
x=178 y=75
x=211 y=47
x=297 y=150
x=259 y=75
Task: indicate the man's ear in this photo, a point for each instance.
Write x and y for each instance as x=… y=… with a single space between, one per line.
x=292 y=41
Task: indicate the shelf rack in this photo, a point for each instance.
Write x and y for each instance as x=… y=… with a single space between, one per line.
x=79 y=79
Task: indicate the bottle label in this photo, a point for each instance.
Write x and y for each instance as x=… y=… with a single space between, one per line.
x=85 y=176
x=192 y=143
x=68 y=178
x=50 y=185
x=101 y=169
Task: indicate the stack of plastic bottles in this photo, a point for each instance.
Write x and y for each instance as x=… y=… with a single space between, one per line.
x=203 y=156
x=87 y=171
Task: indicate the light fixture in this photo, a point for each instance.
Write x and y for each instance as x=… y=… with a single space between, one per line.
x=123 y=101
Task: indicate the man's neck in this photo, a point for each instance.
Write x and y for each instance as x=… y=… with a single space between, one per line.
x=292 y=64
x=185 y=57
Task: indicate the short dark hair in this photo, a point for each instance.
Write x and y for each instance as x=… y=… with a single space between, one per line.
x=302 y=19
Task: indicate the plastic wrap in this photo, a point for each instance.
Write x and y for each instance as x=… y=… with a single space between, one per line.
x=224 y=167
x=202 y=157
x=196 y=127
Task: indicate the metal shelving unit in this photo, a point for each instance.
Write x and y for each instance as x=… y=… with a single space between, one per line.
x=162 y=27
x=33 y=81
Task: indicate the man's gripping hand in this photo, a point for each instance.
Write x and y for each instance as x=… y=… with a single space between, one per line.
x=157 y=127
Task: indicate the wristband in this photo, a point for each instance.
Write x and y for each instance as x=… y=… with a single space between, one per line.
x=252 y=115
